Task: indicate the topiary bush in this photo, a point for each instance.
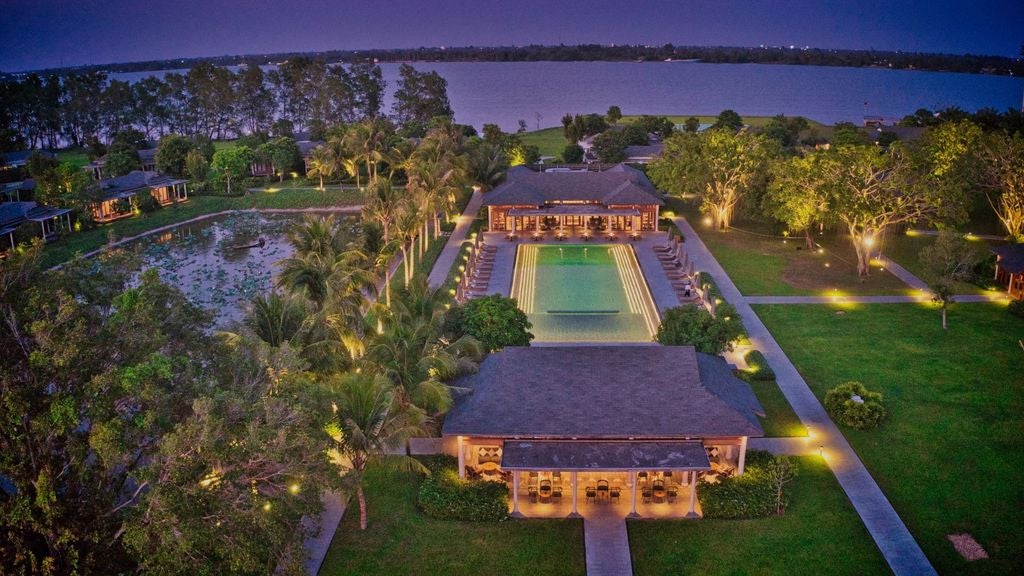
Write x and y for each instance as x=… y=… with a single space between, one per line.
x=853 y=405
x=757 y=367
x=1016 y=308
x=751 y=495
x=445 y=496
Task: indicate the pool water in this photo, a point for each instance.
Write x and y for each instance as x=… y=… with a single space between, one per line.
x=584 y=293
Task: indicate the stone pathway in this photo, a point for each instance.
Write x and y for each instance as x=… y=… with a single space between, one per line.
x=993 y=297
x=893 y=538
x=317 y=546
x=451 y=249
x=606 y=543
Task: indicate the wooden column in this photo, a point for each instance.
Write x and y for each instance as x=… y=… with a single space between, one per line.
x=462 y=458
x=515 y=493
x=575 y=489
x=693 y=495
x=743 y=455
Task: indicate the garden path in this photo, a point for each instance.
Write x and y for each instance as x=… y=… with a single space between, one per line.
x=451 y=249
x=606 y=542
x=894 y=540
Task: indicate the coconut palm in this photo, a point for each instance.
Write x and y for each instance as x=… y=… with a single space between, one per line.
x=486 y=165
x=367 y=430
x=406 y=228
x=368 y=141
x=412 y=352
x=277 y=318
x=317 y=234
x=323 y=163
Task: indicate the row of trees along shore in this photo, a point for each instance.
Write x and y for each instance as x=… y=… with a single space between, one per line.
x=862 y=187
x=966 y=63
x=136 y=438
x=211 y=102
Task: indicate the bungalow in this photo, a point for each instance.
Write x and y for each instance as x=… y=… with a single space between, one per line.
x=117 y=195
x=1010 y=269
x=19 y=158
x=619 y=198
x=14 y=214
x=644 y=154
x=18 y=191
x=306 y=148
x=634 y=425
x=147 y=158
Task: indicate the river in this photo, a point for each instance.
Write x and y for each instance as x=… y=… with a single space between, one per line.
x=505 y=92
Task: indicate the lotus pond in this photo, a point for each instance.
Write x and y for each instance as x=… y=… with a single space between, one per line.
x=223 y=262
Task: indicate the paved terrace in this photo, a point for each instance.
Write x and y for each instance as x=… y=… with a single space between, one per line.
x=893 y=538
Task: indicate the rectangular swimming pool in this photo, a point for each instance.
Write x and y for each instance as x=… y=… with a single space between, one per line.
x=584 y=293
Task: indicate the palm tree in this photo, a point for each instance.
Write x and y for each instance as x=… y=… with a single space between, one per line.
x=381 y=204
x=317 y=234
x=277 y=318
x=367 y=142
x=407 y=225
x=413 y=353
x=486 y=165
x=323 y=163
x=366 y=431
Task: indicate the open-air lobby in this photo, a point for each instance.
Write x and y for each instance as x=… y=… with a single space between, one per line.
x=588 y=428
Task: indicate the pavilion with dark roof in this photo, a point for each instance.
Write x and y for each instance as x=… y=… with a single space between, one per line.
x=117 y=195
x=638 y=422
x=1010 y=268
x=618 y=198
x=15 y=214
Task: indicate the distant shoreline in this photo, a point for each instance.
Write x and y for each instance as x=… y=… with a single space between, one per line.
x=794 y=56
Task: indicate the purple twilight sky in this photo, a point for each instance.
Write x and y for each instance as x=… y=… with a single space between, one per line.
x=46 y=33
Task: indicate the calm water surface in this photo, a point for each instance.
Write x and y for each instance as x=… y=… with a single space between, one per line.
x=505 y=92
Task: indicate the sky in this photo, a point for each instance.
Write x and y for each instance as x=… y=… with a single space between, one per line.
x=37 y=34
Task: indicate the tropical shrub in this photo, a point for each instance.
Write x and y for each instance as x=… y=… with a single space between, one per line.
x=494 y=320
x=853 y=405
x=690 y=325
x=755 y=494
x=572 y=154
x=757 y=366
x=445 y=496
x=146 y=203
x=1016 y=308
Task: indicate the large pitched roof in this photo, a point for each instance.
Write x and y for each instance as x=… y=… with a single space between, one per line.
x=1011 y=257
x=603 y=392
x=134 y=182
x=619 y=184
x=13 y=214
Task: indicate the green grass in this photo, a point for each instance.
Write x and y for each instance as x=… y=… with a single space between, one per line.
x=779 y=420
x=819 y=534
x=905 y=251
x=401 y=540
x=86 y=241
x=950 y=456
x=550 y=141
x=74 y=156
x=762 y=263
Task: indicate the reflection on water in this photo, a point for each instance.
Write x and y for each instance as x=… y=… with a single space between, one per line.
x=220 y=263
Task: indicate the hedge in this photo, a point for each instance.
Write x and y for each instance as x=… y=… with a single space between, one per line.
x=445 y=496
x=757 y=367
x=1016 y=308
x=748 y=496
x=863 y=414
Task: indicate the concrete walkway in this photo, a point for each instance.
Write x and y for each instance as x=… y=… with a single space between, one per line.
x=993 y=297
x=902 y=273
x=606 y=542
x=895 y=542
x=451 y=249
x=317 y=546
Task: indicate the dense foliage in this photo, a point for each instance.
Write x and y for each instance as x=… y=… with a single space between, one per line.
x=757 y=493
x=496 y=321
x=690 y=325
x=445 y=496
x=853 y=405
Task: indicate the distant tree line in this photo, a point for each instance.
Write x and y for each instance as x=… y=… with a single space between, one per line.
x=211 y=102
x=966 y=63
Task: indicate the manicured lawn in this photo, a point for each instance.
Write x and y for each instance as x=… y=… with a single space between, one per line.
x=762 y=263
x=550 y=141
x=86 y=241
x=74 y=156
x=819 y=534
x=401 y=540
x=779 y=420
x=950 y=456
x=905 y=251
